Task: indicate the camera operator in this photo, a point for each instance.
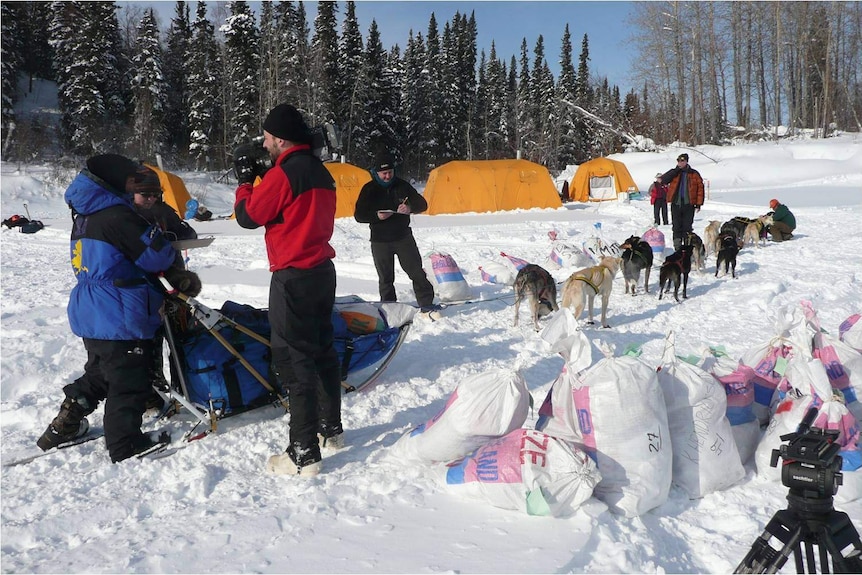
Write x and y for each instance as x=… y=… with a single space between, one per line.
x=295 y=201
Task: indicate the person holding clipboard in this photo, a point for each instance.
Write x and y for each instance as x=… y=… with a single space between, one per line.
x=385 y=203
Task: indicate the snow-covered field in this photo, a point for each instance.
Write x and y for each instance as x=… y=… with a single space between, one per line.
x=212 y=508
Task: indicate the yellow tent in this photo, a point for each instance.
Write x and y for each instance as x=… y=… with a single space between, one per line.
x=349 y=180
x=174 y=190
x=489 y=186
x=600 y=180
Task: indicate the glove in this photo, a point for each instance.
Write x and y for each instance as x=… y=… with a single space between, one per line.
x=245 y=169
x=186 y=281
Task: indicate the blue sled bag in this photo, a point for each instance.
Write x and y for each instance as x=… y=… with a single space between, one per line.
x=214 y=374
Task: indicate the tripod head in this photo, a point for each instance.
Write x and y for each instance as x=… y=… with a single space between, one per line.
x=811 y=472
x=812 y=467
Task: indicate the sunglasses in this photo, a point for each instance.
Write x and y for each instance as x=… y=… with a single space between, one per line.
x=681 y=160
x=147 y=194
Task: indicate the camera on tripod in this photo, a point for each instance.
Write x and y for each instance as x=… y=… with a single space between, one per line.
x=811 y=472
x=252 y=160
x=812 y=466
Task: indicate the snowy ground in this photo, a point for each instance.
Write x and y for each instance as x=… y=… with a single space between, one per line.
x=212 y=508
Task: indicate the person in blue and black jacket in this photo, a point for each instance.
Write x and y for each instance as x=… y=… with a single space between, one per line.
x=115 y=306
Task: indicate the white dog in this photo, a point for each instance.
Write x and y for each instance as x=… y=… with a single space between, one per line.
x=582 y=287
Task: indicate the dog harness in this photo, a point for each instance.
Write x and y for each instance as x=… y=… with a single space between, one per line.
x=588 y=282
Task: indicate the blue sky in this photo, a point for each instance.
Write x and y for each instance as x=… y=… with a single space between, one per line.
x=506 y=23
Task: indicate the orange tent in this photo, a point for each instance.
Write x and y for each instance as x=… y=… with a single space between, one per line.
x=599 y=180
x=489 y=186
x=174 y=192
x=349 y=180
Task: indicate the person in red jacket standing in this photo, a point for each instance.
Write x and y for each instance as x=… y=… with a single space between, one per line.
x=685 y=196
x=658 y=199
x=295 y=202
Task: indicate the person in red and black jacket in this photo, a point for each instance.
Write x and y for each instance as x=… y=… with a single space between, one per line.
x=295 y=202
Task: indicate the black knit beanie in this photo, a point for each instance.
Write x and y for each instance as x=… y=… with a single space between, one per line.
x=113 y=169
x=285 y=122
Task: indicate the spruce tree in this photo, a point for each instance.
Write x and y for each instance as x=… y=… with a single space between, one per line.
x=351 y=87
x=566 y=116
x=149 y=91
x=269 y=45
x=242 y=54
x=204 y=84
x=324 y=53
x=524 y=105
x=379 y=124
x=416 y=103
x=497 y=117
x=176 y=75
x=73 y=28
x=11 y=58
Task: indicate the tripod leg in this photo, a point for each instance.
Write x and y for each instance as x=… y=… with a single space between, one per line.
x=763 y=558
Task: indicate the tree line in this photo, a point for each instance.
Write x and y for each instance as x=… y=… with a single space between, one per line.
x=197 y=89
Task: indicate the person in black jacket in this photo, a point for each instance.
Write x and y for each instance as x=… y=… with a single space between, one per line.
x=386 y=203
x=151 y=206
x=147 y=195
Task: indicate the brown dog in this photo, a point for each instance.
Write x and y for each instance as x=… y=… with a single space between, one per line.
x=584 y=285
x=536 y=284
x=710 y=237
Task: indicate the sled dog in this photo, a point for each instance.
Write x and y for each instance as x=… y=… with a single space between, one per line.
x=637 y=256
x=538 y=286
x=582 y=287
x=675 y=268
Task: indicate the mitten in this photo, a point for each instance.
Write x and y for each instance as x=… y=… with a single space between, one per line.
x=185 y=281
x=245 y=169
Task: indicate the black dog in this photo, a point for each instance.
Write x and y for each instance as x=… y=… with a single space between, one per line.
x=736 y=227
x=636 y=257
x=728 y=248
x=676 y=267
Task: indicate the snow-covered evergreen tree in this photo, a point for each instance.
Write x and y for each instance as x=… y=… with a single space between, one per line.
x=11 y=56
x=324 y=54
x=73 y=29
x=176 y=67
x=295 y=57
x=351 y=88
x=378 y=122
x=242 y=53
x=416 y=103
x=436 y=128
x=269 y=45
x=524 y=106
x=149 y=91
x=567 y=139
x=497 y=118
x=204 y=83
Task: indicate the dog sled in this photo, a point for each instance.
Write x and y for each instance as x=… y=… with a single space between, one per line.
x=220 y=359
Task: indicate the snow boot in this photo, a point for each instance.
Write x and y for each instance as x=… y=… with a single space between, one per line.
x=296 y=461
x=333 y=442
x=71 y=423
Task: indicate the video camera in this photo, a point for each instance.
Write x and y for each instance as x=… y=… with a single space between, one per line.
x=252 y=160
x=812 y=466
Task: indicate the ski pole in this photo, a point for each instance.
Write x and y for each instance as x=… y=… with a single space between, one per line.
x=26 y=210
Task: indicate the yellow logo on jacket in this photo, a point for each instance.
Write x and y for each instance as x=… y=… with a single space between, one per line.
x=78 y=258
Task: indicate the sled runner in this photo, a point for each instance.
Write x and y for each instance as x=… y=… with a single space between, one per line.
x=220 y=359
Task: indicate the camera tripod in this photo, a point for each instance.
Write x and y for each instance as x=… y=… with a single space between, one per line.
x=810 y=522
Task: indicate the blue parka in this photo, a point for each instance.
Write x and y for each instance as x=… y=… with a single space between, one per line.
x=115 y=255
